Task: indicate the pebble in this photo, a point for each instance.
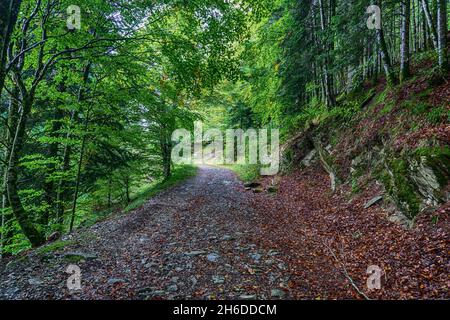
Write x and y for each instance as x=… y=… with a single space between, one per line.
x=277 y=293
x=213 y=257
x=255 y=256
x=193 y=280
x=115 y=280
x=227 y=238
x=194 y=253
x=35 y=281
x=172 y=288
x=218 y=279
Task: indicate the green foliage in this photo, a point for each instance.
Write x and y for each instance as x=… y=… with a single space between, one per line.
x=103 y=108
x=418 y=108
x=438 y=115
x=98 y=105
x=246 y=172
x=180 y=174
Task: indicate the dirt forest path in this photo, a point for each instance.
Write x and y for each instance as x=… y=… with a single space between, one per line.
x=210 y=238
x=192 y=241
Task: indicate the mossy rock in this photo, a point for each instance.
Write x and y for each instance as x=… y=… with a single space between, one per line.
x=438 y=159
x=417 y=180
x=399 y=187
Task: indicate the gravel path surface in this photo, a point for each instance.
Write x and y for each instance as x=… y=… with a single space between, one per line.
x=211 y=238
x=193 y=241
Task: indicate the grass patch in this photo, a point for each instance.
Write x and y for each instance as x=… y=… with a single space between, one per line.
x=55 y=246
x=179 y=174
x=245 y=172
x=73 y=259
x=437 y=115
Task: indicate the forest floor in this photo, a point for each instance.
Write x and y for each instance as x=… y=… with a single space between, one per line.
x=210 y=238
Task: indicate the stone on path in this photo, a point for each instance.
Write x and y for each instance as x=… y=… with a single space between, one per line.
x=115 y=280
x=227 y=238
x=373 y=201
x=277 y=293
x=172 y=288
x=35 y=281
x=194 y=253
x=218 y=279
x=213 y=257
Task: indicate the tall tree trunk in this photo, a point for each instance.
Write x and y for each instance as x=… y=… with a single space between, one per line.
x=13 y=118
x=385 y=59
x=166 y=160
x=404 y=48
x=25 y=222
x=49 y=185
x=62 y=193
x=78 y=178
x=2 y=235
x=109 y=192
x=127 y=189
x=413 y=26
x=9 y=10
x=424 y=32
x=430 y=23
x=442 y=34
x=166 y=151
x=328 y=78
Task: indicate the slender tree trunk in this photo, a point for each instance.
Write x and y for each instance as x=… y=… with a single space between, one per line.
x=413 y=26
x=390 y=77
x=424 y=32
x=9 y=10
x=77 y=181
x=127 y=190
x=328 y=79
x=385 y=59
x=49 y=185
x=442 y=34
x=2 y=235
x=404 y=48
x=166 y=150
x=430 y=23
x=25 y=222
x=13 y=118
x=166 y=161
x=109 y=192
x=62 y=193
